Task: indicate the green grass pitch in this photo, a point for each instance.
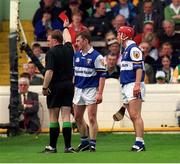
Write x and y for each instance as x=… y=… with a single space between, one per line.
x=111 y=148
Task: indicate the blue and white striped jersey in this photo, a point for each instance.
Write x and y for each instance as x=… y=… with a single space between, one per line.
x=132 y=59
x=88 y=68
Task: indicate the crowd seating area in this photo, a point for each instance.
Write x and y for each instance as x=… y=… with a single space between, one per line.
x=156 y=32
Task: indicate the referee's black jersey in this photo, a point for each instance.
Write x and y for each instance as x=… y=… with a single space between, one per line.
x=60 y=60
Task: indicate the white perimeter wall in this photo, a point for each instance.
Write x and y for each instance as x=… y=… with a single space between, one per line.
x=159 y=107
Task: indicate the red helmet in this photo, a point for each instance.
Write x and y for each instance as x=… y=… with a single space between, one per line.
x=128 y=32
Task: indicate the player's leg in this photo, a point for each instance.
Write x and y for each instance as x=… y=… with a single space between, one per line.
x=82 y=127
x=134 y=110
x=93 y=125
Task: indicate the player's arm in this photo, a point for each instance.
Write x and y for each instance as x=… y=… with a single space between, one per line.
x=137 y=86
x=100 y=90
x=101 y=70
x=138 y=65
x=138 y=75
x=101 y=85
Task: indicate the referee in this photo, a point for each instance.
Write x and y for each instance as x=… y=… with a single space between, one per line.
x=58 y=87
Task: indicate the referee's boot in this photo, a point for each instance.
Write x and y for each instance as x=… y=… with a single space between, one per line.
x=49 y=149
x=138 y=146
x=82 y=147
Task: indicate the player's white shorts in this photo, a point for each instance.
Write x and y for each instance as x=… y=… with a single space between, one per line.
x=84 y=96
x=127 y=92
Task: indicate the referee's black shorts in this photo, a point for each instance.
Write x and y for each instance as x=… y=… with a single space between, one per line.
x=61 y=94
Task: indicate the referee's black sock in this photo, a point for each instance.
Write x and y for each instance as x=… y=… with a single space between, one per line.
x=54 y=133
x=67 y=130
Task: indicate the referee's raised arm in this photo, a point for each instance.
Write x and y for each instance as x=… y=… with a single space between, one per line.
x=66 y=34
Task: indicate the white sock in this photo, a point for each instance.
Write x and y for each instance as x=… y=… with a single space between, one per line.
x=140 y=139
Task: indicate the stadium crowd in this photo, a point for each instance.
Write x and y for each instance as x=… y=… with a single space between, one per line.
x=156 y=25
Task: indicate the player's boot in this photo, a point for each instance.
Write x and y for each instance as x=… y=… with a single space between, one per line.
x=92 y=148
x=82 y=147
x=69 y=150
x=138 y=146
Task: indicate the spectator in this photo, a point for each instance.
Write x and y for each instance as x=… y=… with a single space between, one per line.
x=37 y=51
x=153 y=41
x=158 y=7
x=50 y=4
x=58 y=3
x=168 y=70
x=73 y=8
x=160 y=77
x=29 y=107
x=75 y=27
x=98 y=24
x=120 y=20
x=86 y=6
x=149 y=62
x=166 y=49
x=25 y=75
x=170 y=35
x=176 y=74
x=112 y=70
x=46 y=25
x=148 y=27
x=126 y=8
x=34 y=78
x=165 y=3
x=146 y=16
x=92 y=7
x=172 y=11
x=114 y=47
x=110 y=35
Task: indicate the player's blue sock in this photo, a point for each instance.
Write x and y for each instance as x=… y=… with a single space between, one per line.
x=140 y=140
x=139 y=143
x=84 y=140
x=92 y=142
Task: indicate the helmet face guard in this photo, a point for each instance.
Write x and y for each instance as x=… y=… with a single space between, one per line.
x=125 y=32
x=123 y=36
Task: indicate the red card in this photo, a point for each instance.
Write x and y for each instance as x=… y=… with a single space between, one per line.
x=63 y=16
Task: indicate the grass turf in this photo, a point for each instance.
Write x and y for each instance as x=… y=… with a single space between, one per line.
x=111 y=148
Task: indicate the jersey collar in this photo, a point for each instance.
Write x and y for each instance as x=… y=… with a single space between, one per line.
x=89 y=51
x=129 y=42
